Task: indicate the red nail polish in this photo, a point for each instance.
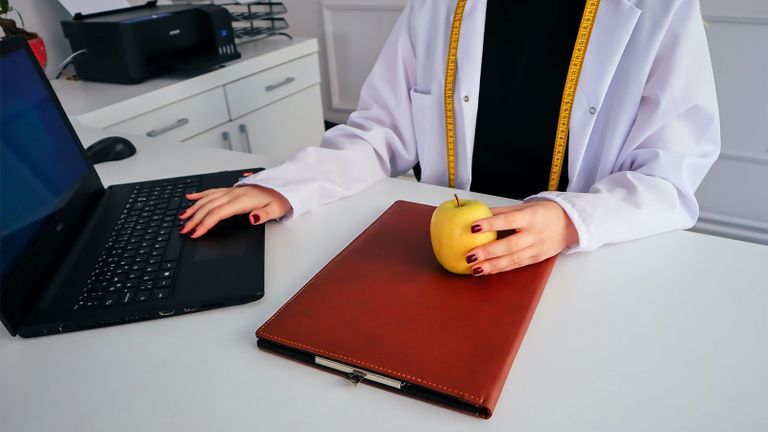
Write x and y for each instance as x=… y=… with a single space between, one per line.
x=471 y=258
x=255 y=219
x=477 y=271
x=476 y=228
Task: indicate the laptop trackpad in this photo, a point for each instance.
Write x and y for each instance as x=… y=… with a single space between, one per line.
x=228 y=238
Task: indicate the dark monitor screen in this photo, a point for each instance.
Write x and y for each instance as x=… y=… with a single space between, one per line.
x=40 y=162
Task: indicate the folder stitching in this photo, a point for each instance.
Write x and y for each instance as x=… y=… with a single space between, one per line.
x=379 y=368
x=262 y=330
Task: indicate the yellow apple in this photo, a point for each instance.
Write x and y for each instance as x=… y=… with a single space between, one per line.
x=452 y=238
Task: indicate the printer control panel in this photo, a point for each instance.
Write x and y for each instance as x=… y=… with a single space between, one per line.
x=223 y=32
x=226 y=42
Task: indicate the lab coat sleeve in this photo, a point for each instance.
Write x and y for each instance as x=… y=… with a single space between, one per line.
x=674 y=141
x=378 y=140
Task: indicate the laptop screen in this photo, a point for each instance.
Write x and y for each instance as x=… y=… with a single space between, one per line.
x=40 y=162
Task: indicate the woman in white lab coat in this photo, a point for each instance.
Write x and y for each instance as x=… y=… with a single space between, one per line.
x=644 y=128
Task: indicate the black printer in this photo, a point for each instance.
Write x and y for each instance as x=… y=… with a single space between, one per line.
x=133 y=44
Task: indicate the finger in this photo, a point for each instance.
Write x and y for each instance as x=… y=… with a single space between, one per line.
x=502 y=221
x=506 y=209
x=215 y=193
x=219 y=213
x=202 y=212
x=197 y=195
x=265 y=213
x=501 y=247
x=504 y=263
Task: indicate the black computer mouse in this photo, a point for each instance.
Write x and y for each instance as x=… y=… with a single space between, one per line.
x=108 y=149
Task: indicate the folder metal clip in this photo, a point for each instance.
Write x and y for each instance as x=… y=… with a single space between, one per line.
x=355 y=376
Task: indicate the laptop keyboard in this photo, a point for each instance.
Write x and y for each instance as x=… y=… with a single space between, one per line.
x=138 y=262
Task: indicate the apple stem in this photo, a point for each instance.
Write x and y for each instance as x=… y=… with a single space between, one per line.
x=458 y=203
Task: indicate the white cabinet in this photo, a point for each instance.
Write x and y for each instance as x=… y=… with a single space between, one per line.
x=286 y=126
x=267 y=102
x=257 y=90
x=277 y=130
x=223 y=137
x=180 y=120
x=734 y=195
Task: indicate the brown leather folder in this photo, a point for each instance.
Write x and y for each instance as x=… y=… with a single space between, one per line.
x=384 y=312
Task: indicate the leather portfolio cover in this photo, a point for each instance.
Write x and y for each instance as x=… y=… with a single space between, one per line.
x=386 y=308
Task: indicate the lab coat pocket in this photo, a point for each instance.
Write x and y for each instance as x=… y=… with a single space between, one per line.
x=423 y=118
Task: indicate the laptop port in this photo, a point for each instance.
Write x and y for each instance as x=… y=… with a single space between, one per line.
x=190 y=309
x=166 y=312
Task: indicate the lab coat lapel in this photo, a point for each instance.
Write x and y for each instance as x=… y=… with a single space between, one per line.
x=613 y=27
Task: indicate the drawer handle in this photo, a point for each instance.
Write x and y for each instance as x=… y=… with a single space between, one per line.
x=246 y=138
x=227 y=140
x=280 y=84
x=156 y=132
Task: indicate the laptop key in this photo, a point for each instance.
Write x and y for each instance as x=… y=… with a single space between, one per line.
x=126 y=296
x=109 y=299
x=162 y=293
x=138 y=261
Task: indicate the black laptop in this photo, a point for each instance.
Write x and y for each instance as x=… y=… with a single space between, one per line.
x=74 y=255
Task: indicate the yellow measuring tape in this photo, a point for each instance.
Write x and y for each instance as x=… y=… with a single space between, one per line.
x=571 y=81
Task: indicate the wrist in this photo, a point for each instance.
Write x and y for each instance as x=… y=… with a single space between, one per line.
x=571 y=234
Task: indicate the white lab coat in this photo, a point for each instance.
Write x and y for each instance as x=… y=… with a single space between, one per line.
x=644 y=128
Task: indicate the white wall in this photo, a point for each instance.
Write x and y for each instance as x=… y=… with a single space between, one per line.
x=44 y=17
x=734 y=196
x=351 y=34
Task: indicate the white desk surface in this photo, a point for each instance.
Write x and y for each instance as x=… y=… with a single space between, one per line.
x=668 y=333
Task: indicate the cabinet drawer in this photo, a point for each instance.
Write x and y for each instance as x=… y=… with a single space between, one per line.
x=228 y=136
x=180 y=120
x=255 y=91
x=281 y=129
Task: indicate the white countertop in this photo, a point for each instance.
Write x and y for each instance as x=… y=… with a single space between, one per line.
x=665 y=333
x=84 y=97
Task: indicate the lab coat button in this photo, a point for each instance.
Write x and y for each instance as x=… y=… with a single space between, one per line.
x=466 y=98
x=592 y=110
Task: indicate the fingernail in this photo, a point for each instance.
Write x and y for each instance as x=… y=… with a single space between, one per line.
x=471 y=258
x=477 y=271
x=181 y=215
x=255 y=219
x=476 y=228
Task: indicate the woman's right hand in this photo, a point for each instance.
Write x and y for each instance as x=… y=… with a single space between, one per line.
x=214 y=205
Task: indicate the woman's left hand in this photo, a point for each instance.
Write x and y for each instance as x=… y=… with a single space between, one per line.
x=541 y=229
